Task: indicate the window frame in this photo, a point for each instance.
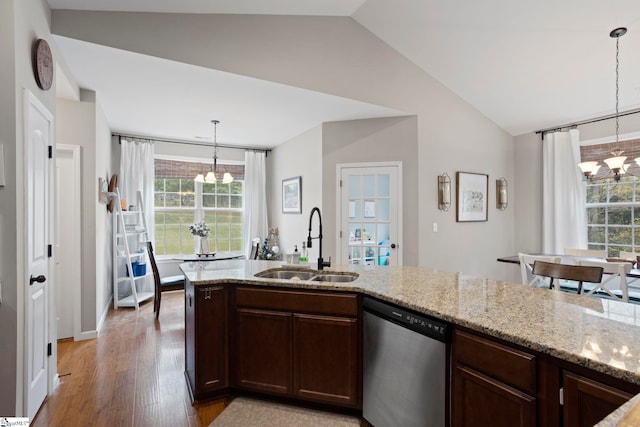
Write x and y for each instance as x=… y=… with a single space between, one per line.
x=198 y=208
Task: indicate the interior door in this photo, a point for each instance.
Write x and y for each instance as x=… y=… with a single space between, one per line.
x=38 y=136
x=370 y=210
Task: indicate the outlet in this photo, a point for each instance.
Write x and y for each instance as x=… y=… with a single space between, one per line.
x=435 y=227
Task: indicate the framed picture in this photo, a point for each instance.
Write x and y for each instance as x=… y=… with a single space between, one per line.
x=292 y=195
x=472 y=190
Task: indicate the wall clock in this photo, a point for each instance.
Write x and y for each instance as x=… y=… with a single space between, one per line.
x=43 y=64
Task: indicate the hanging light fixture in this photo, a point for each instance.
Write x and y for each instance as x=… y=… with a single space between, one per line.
x=616 y=163
x=211 y=177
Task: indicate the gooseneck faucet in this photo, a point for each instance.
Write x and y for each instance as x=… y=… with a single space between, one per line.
x=321 y=263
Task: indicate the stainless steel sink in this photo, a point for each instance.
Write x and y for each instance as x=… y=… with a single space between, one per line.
x=327 y=277
x=287 y=274
x=316 y=276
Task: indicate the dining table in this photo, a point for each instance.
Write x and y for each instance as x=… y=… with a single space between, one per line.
x=566 y=259
x=219 y=256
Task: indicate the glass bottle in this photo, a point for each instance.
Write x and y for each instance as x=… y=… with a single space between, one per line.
x=304 y=256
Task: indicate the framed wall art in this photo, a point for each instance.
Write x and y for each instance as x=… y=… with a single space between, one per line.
x=472 y=190
x=292 y=195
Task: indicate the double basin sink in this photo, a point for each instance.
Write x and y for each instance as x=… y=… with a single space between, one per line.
x=311 y=275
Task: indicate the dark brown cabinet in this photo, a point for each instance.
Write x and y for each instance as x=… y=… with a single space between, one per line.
x=587 y=402
x=206 y=344
x=263 y=351
x=492 y=384
x=300 y=344
x=326 y=358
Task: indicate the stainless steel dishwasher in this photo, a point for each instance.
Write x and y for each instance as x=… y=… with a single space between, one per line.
x=405 y=367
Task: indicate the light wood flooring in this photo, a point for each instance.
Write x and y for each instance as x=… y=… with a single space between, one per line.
x=131 y=375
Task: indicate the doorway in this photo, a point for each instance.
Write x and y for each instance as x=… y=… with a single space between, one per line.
x=370 y=213
x=67 y=238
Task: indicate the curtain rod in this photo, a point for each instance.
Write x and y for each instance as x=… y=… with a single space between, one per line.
x=584 y=122
x=203 y=144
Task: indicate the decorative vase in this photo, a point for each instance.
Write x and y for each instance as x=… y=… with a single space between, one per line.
x=203 y=246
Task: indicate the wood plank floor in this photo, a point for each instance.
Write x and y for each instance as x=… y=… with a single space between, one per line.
x=131 y=375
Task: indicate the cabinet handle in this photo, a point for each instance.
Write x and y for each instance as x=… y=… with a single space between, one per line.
x=393 y=246
x=189 y=300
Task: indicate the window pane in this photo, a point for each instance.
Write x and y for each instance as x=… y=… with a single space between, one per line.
x=188 y=185
x=158 y=200
x=596 y=215
x=223 y=201
x=619 y=216
x=235 y=202
x=172 y=185
x=595 y=234
x=622 y=192
x=620 y=235
x=158 y=184
x=597 y=193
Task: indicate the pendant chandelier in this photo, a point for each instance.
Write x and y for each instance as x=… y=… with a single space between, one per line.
x=211 y=177
x=616 y=163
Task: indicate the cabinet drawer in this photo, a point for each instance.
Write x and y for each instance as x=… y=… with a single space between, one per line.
x=511 y=366
x=298 y=301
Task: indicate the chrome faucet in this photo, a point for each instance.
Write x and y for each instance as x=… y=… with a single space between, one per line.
x=321 y=263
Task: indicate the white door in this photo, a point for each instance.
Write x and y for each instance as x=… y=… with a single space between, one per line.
x=38 y=138
x=370 y=213
x=67 y=240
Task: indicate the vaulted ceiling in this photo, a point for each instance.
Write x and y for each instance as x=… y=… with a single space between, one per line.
x=525 y=65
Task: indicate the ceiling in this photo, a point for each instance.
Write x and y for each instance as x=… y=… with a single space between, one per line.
x=525 y=65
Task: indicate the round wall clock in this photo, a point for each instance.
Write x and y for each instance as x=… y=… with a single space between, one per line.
x=43 y=64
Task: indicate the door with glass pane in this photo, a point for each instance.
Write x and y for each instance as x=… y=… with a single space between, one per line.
x=370 y=210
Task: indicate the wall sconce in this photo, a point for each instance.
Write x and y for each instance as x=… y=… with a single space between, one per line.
x=444 y=192
x=502 y=196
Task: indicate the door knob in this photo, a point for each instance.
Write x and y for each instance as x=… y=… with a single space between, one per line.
x=38 y=279
x=393 y=246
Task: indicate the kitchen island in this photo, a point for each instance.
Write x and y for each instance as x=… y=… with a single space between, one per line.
x=571 y=337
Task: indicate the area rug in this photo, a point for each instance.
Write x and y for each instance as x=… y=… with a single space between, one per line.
x=243 y=412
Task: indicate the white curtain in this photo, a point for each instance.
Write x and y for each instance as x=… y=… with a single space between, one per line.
x=136 y=174
x=255 y=199
x=564 y=215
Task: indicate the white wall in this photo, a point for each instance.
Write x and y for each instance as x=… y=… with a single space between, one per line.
x=300 y=156
x=104 y=169
x=337 y=55
x=76 y=125
x=373 y=140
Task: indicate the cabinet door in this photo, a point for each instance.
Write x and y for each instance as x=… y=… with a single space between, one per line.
x=263 y=350
x=211 y=342
x=326 y=359
x=586 y=402
x=479 y=400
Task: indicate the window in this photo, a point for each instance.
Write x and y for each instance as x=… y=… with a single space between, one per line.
x=175 y=206
x=613 y=215
x=613 y=209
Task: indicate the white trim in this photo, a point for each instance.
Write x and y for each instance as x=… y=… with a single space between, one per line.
x=610 y=139
x=339 y=167
x=75 y=151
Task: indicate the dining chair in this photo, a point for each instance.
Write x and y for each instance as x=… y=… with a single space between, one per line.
x=616 y=274
x=526 y=267
x=170 y=283
x=593 y=253
x=577 y=273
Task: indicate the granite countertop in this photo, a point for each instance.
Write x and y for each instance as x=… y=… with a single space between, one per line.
x=596 y=333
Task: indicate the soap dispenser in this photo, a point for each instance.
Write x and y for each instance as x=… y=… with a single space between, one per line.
x=296 y=255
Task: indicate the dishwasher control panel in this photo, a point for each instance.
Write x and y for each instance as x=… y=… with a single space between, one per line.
x=420 y=323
